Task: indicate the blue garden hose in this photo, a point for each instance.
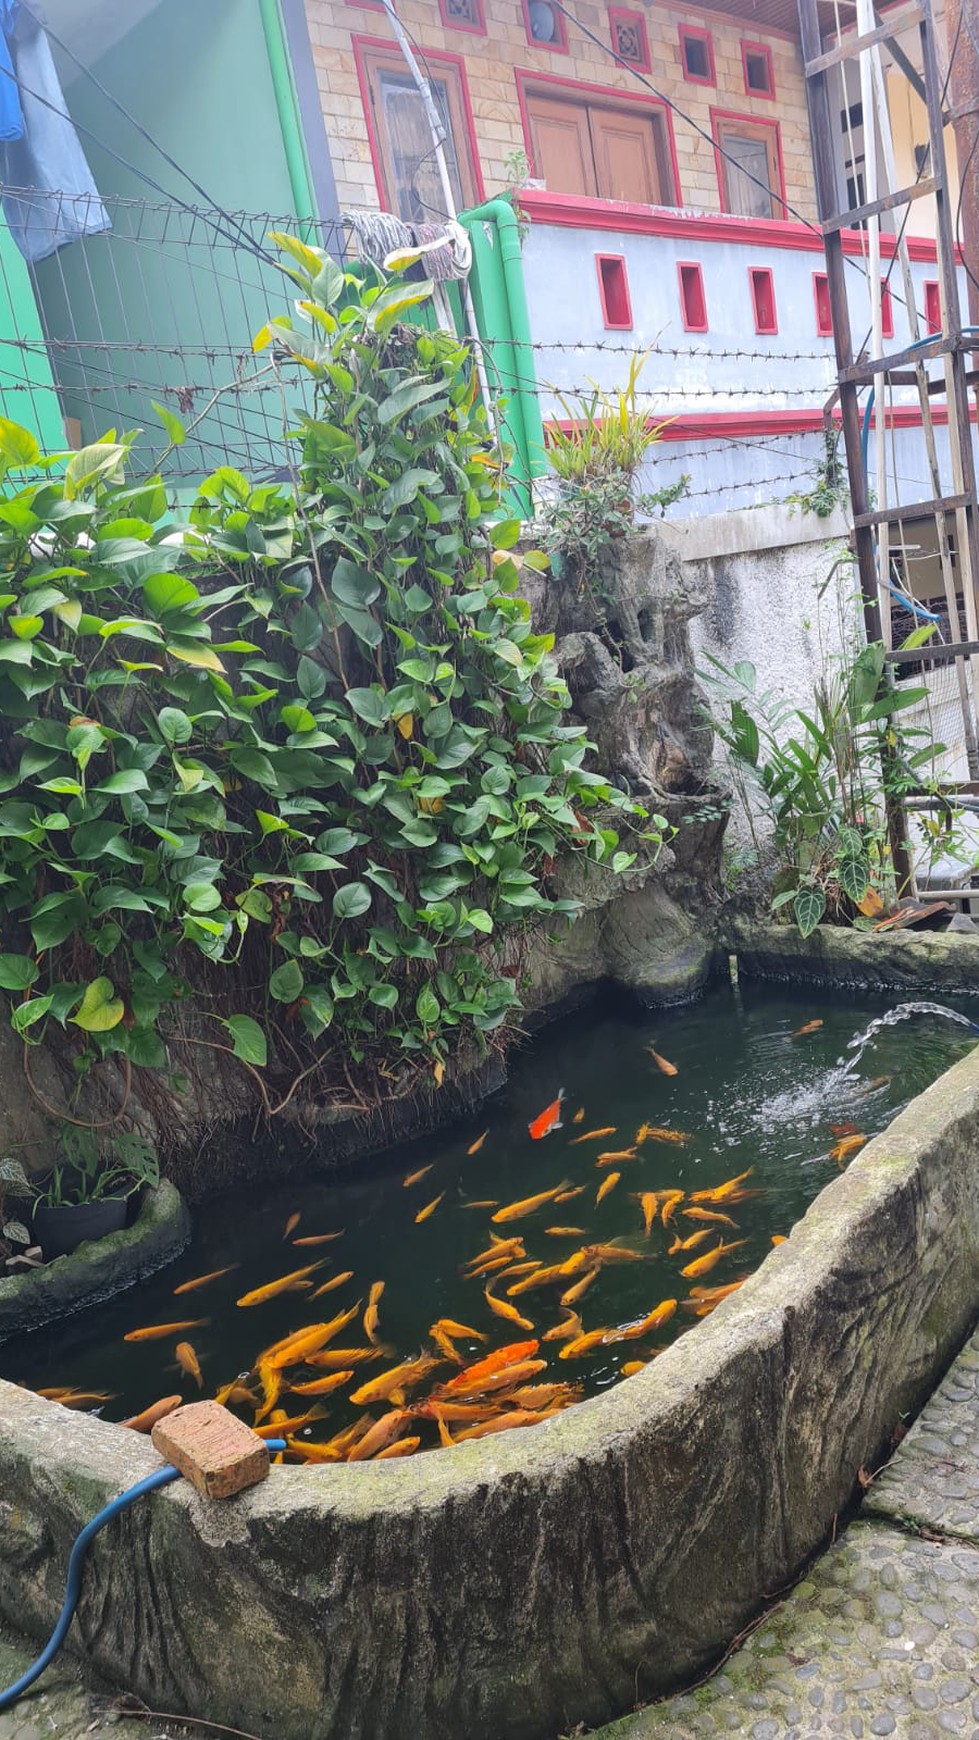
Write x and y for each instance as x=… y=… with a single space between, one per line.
x=76 y=1563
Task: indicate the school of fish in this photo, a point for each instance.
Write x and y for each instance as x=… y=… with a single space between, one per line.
x=457 y=1386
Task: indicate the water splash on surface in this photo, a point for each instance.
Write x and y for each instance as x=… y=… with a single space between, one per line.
x=903 y=1012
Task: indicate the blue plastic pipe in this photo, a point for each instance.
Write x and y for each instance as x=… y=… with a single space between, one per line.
x=76 y=1564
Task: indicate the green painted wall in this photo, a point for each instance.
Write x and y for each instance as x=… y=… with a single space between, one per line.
x=27 y=392
x=195 y=74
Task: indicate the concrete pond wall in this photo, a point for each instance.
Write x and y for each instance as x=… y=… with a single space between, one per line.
x=510 y=1588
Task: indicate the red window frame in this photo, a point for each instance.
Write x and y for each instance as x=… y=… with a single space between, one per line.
x=751 y=122
x=933 y=305
x=438 y=57
x=763 y=304
x=693 y=31
x=628 y=16
x=886 y=310
x=558 y=47
x=762 y=49
x=693 y=302
x=824 y=312
x=613 y=287
x=478 y=29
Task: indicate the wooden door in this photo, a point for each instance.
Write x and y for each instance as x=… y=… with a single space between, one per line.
x=626 y=156
x=562 y=145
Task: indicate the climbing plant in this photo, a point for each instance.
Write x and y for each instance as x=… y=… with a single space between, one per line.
x=281 y=775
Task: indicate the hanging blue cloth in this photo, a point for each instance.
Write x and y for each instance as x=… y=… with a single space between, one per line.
x=50 y=196
x=11 y=113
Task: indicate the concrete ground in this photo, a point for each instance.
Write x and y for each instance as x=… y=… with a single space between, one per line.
x=881 y=1637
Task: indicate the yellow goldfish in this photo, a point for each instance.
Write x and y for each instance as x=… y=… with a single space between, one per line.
x=721 y=1191
x=320 y=1238
x=430 y=1207
x=566 y=1232
x=611 y=1158
x=709 y=1214
x=331 y=1285
x=474 y=1147
x=569 y=1195
x=608 y=1184
x=583 y=1344
x=158 y=1331
x=371 y=1315
x=579 y=1116
x=670 y=1200
x=702 y=1265
x=649 y=1203
x=145 y=1421
x=285 y=1284
x=593 y=1135
x=580 y=1288
x=324 y=1385
x=646 y=1325
x=528 y=1205
x=189 y=1362
x=414 y=1177
x=203 y=1280
x=501 y=1308
x=691 y=1243
x=566 y=1331
x=291 y=1224
x=403 y=1447
x=450 y=1327
x=662 y=1062
x=396 y=1382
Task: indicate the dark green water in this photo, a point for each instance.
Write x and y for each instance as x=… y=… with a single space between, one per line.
x=747 y=1093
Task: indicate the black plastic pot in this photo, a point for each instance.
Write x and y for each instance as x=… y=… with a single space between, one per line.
x=59 y=1231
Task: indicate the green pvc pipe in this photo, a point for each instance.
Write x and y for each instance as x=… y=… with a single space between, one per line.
x=287 y=107
x=521 y=369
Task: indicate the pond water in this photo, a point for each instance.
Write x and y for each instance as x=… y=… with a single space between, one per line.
x=750 y=1094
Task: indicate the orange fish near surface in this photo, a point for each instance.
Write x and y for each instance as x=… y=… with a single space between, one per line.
x=334 y=1282
x=371 y=1315
x=649 y=1203
x=708 y=1214
x=145 y=1421
x=284 y=1284
x=848 y=1146
x=291 y=1224
x=843 y=1130
x=430 y=1207
x=517 y=1210
x=662 y=1063
x=810 y=1027
x=413 y=1177
x=474 y=1147
x=514 y=1354
x=646 y=1325
x=610 y=1159
x=593 y=1135
x=722 y=1192
x=549 y=1119
x=202 y=1280
x=670 y=1200
x=319 y=1238
x=690 y=1243
x=503 y=1308
x=656 y=1133
x=189 y=1362
x=702 y=1265
x=606 y=1185
x=158 y=1331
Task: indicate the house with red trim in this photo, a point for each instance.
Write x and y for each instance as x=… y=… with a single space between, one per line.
x=663 y=160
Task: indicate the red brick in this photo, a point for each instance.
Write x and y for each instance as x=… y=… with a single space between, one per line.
x=213 y=1449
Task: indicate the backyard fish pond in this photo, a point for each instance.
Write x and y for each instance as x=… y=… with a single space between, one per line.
x=686 y=1144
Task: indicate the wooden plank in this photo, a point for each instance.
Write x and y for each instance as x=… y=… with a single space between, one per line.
x=847 y=220
x=867 y=370
x=933 y=653
x=919 y=510
x=901 y=19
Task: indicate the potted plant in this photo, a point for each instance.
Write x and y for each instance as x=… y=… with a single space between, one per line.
x=89 y=1192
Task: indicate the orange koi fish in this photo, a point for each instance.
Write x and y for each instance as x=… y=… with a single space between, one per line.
x=632 y=1366
x=722 y=1192
x=566 y=1331
x=450 y=1327
x=386 y=1429
x=649 y=1203
x=236 y=1393
x=302 y=1343
x=320 y=1238
x=158 y=1331
x=507 y=1378
x=708 y=1214
x=579 y=1116
x=371 y=1315
x=429 y=1209
x=582 y=1344
x=310 y=1452
x=500 y=1252
x=514 y=1269
x=189 y=1362
x=292 y=1223
x=396 y=1382
x=566 y=1232
x=810 y=1027
x=447 y=1345
x=202 y=1280
x=702 y=1265
x=779 y=1239
x=662 y=1062
x=843 y=1130
x=612 y=1159
x=548 y=1120
x=569 y=1195
x=502 y=1308
x=280 y=1423
x=514 y=1354
x=536 y=1396
x=331 y=1285
x=614 y=1253
x=848 y=1146
x=608 y=1184
x=572 y=1265
x=689 y=1244
x=592 y=1135
x=656 y=1133
x=502 y=1423
x=670 y=1200
x=285 y=1284
x=646 y=1325
x=145 y=1421
x=580 y=1288
x=322 y=1385
x=474 y=1147
x=403 y=1447
x=83 y=1400
x=467 y=1411
x=517 y=1210
x=703 y=1299
x=415 y=1177
x=490 y=1202
x=337 y=1357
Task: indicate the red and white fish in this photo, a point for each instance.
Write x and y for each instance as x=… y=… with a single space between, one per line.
x=549 y=1120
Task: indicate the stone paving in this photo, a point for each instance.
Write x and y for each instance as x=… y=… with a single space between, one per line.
x=881 y=1638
